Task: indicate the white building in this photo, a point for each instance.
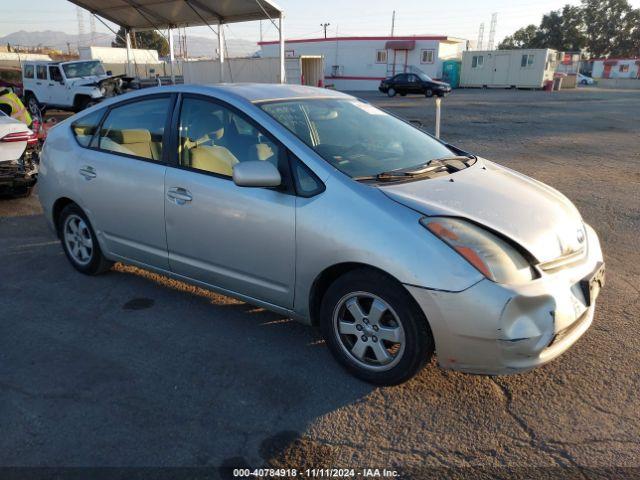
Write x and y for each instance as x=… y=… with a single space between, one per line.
x=118 y=55
x=616 y=68
x=359 y=63
x=522 y=68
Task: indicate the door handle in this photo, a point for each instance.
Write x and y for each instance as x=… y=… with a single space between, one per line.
x=88 y=172
x=179 y=195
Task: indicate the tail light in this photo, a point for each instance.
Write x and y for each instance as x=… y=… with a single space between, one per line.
x=18 y=137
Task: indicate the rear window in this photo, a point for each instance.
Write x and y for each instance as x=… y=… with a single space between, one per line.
x=84 y=128
x=28 y=71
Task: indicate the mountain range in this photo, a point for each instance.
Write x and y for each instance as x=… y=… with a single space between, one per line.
x=196 y=46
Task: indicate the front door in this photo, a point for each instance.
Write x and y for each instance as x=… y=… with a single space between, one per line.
x=501 y=69
x=237 y=238
x=57 y=92
x=121 y=180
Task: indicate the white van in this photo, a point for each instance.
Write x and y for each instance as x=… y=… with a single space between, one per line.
x=67 y=85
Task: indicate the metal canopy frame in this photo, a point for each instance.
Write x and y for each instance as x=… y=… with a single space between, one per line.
x=143 y=15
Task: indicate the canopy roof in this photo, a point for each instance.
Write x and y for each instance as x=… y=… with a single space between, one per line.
x=162 y=14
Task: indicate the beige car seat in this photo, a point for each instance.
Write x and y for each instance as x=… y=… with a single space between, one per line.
x=137 y=141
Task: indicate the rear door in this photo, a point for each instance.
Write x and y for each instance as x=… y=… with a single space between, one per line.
x=120 y=178
x=41 y=85
x=238 y=238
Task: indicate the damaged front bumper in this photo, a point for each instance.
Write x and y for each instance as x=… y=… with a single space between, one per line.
x=496 y=329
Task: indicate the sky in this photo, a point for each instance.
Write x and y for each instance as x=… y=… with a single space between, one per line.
x=456 y=18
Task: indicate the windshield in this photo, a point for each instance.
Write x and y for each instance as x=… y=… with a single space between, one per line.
x=83 y=69
x=356 y=137
x=424 y=76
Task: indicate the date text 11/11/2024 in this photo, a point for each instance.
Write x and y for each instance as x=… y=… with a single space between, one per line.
x=314 y=473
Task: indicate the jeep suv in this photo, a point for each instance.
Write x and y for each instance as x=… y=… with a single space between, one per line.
x=67 y=85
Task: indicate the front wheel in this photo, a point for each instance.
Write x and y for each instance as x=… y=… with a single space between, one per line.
x=374 y=328
x=391 y=92
x=80 y=243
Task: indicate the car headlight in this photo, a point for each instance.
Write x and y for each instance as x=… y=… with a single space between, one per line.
x=491 y=255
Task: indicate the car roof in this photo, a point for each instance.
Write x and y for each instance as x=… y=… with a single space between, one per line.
x=262 y=92
x=242 y=92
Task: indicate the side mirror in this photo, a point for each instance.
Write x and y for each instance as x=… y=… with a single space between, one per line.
x=109 y=72
x=256 y=173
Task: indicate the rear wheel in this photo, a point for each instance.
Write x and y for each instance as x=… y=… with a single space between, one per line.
x=374 y=328
x=32 y=104
x=428 y=93
x=80 y=243
x=391 y=92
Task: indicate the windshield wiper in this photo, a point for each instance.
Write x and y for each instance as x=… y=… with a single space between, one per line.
x=432 y=166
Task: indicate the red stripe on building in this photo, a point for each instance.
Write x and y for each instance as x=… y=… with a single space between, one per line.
x=355 y=78
x=333 y=39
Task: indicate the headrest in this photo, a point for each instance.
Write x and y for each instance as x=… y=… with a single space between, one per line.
x=132 y=135
x=84 y=130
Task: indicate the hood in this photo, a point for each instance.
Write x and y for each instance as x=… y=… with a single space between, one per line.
x=90 y=80
x=537 y=217
x=438 y=82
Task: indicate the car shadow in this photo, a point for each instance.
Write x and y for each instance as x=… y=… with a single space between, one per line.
x=132 y=368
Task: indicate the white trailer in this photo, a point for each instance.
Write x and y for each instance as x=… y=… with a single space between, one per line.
x=524 y=68
x=301 y=70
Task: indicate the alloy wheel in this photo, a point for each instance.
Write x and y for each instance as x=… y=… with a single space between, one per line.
x=78 y=240
x=369 y=331
x=34 y=108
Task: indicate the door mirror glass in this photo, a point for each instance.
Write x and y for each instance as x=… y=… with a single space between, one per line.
x=256 y=173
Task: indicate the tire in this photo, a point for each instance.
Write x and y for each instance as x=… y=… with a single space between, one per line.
x=391 y=92
x=88 y=257
x=428 y=93
x=408 y=340
x=84 y=103
x=403 y=94
x=32 y=104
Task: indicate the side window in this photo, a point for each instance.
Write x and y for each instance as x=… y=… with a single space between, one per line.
x=28 y=71
x=401 y=78
x=213 y=138
x=477 y=61
x=527 y=60
x=41 y=72
x=413 y=79
x=54 y=74
x=426 y=56
x=307 y=184
x=84 y=128
x=136 y=128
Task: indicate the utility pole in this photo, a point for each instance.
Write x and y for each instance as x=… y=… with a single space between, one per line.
x=80 y=18
x=480 y=37
x=393 y=22
x=492 y=30
x=325 y=25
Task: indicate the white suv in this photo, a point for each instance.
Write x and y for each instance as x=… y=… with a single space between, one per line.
x=67 y=85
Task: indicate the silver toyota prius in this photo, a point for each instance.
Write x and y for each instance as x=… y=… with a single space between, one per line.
x=321 y=207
